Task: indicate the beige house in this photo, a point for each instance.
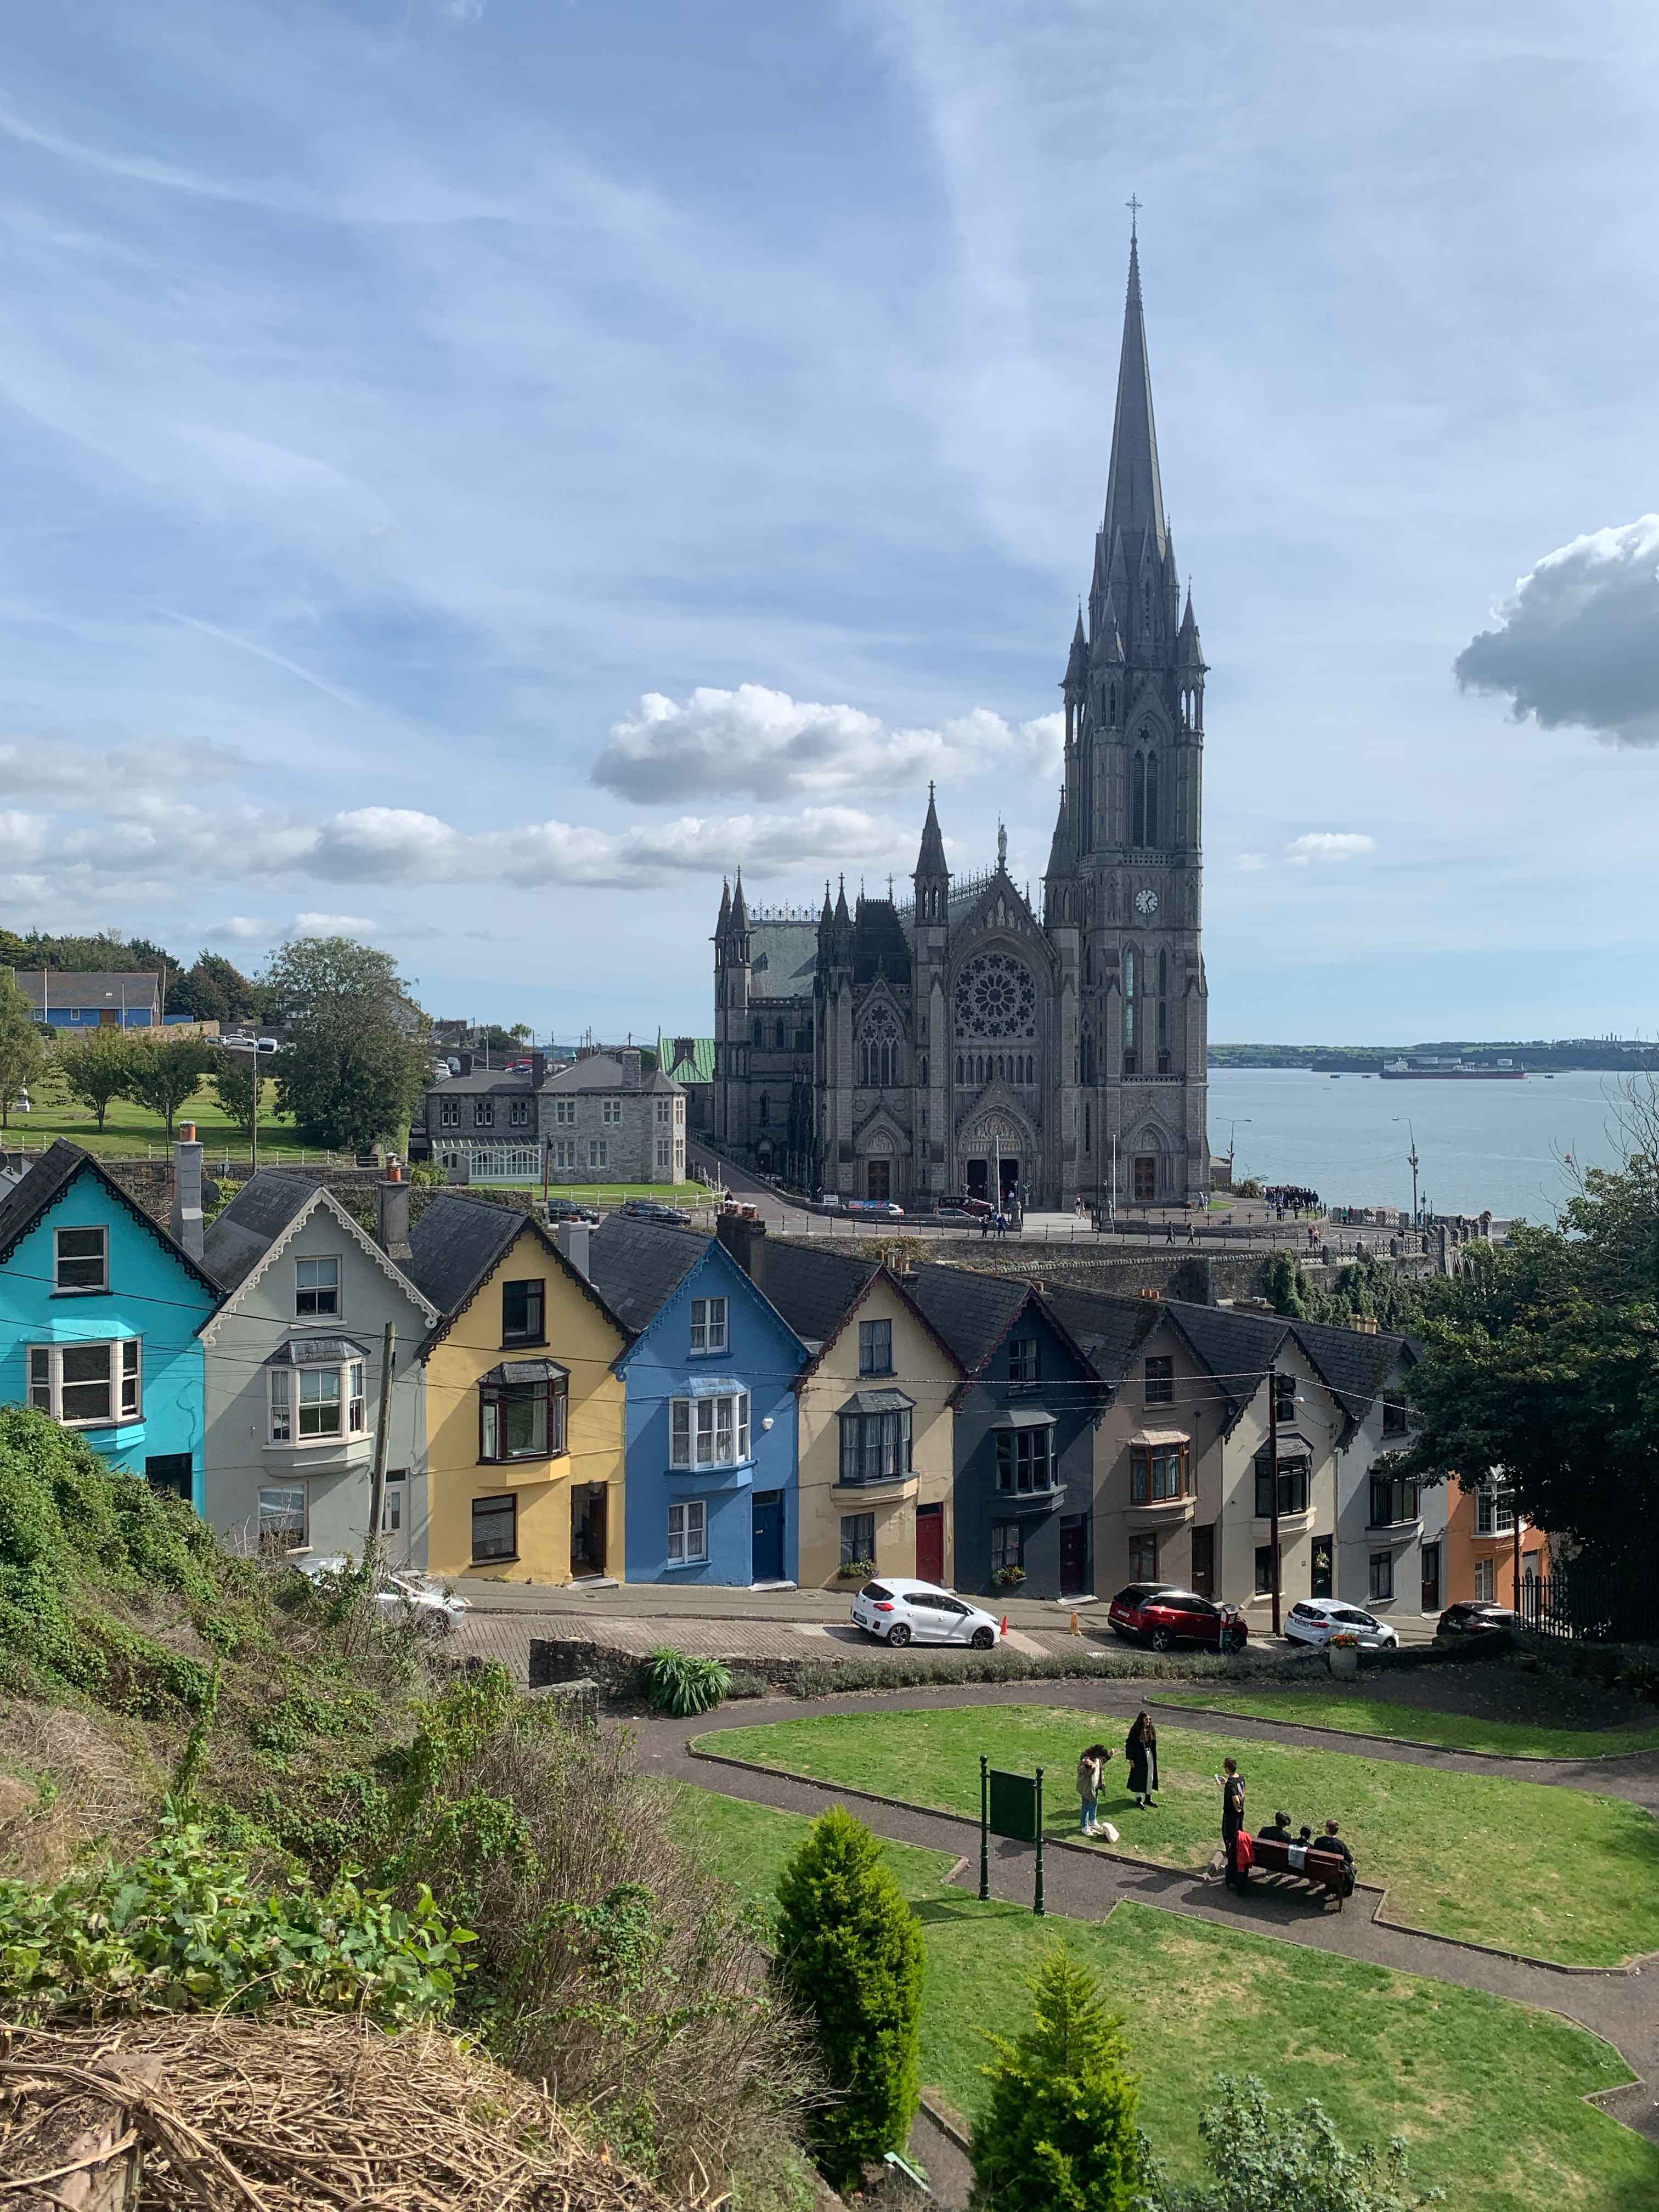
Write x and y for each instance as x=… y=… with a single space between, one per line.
x=877 y=1399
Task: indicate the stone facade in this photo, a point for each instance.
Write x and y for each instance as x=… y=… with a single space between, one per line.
x=960 y=1043
x=603 y=1119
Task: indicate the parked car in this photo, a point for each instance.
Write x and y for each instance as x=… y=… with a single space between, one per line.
x=882 y=1206
x=1162 y=1615
x=900 y=1612
x=652 y=1209
x=953 y=1212
x=567 y=1209
x=1316 y=1620
x=1473 y=1616
x=406 y=1596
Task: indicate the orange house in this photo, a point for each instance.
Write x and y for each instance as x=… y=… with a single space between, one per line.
x=1489 y=1552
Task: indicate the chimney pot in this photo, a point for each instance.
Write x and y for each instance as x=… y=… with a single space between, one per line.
x=392 y=1217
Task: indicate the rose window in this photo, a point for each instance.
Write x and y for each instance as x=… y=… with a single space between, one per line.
x=995 y=997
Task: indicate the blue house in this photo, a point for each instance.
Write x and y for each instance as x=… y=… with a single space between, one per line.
x=711 y=1489
x=99 y=1316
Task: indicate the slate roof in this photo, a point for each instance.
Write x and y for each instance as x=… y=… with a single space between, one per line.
x=603 y=1071
x=783 y=959
x=265 y=1206
x=481 y=1080
x=637 y=1265
x=23 y=1203
x=972 y=1313
x=455 y=1244
x=1353 y=1362
x=83 y=991
x=814 y=1290
x=1237 y=1348
x=1107 y=1329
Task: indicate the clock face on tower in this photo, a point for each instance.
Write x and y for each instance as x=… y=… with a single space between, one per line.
x=1147 y=901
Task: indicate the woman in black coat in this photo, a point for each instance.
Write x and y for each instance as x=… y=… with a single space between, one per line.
x=1140 y=1749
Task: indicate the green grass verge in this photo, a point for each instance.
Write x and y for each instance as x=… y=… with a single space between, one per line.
x=1486 y=2093
x=1334 y=1708
x=1558 y=1873
x=132 y=1130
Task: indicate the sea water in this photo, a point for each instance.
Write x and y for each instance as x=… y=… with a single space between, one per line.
x=1510 y=1147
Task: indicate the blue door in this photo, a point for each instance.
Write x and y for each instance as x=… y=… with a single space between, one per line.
x=768 y=1555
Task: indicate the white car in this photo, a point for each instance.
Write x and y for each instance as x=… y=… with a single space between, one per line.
x=1316 y=1620
x=901 y=1612
x=400 y=1597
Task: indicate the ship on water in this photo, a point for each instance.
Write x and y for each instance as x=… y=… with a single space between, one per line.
x=1429 y=1070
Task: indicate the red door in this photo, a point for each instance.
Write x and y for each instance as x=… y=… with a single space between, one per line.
x=930 y=1543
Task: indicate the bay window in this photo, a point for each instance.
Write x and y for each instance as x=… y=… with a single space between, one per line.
x=1026 y=1460
x=87 y=1386
x=1392 y=1503
x=522 y=1411
x=875 y=1440
x=1158 y=1473
x=1292 y=1486
x=316 y=1391
x=710 y=1430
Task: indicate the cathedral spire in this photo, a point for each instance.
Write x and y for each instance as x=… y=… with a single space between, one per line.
x=725 y=921
x=930 y=861
x=1135 y=495
x=740 y=911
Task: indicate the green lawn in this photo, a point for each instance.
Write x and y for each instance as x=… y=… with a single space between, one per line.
x=1486 y=2093
x=1337 y=1708
x=130 y=1129
x=1556 y=1873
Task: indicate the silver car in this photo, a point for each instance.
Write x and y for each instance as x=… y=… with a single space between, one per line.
x=901 y=1612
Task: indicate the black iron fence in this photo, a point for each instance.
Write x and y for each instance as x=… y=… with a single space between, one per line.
x=1591 y=1605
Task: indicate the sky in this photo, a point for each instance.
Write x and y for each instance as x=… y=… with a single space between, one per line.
x=473 y=472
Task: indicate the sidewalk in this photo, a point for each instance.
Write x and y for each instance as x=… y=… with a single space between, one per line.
x=721 y=1601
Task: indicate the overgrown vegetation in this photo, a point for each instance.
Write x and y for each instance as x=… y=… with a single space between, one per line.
x=1366 y=1289
x=851 y=1955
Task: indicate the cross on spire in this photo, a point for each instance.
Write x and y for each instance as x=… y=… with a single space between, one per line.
x=1134 y=207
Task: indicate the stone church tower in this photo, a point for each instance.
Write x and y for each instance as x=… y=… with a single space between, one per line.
x=956 y=1043
x=1124 y=884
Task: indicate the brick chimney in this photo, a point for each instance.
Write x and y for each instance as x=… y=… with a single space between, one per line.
x=572 y=1238
x=392 y=1219
x=186 y=1219
x=744 y=1238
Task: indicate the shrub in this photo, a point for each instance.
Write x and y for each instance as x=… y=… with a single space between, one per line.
x=1265 y=2159
x=855 y=1569
x=1059 y=2134
x=850 y=1954
x=679 y=1684
x=184 y=1929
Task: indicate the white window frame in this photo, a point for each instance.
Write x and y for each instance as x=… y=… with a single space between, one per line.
x=688 y=1527
x=610 y=1112
x=710 y=1328
x=124 y=1380
x=449 y=1112
x=710 y=1430
x=517 y=1114
x=598 y=1152
x=564 y=1112
x=662 y=1152
x=318 y=1289
x=59 y=1260
x=1494 y=1511
x=483 y=1113
x=663 y=1115
x=274 y=1490
x=564 y=1153
x=1485 y=1582
x=285 y=1405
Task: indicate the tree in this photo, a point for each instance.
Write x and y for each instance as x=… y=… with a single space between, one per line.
x=239 y=1086
x=850 y=1954
x=1059 y=2132
x=1265 y=2159
x=165 y=1075
x=214 y=990
x=22 y=1049
x=1542 y=1364
x=355 y=1062
x=98 y=1069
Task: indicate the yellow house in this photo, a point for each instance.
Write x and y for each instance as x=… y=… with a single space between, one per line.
x=876 y=1414
x=525 y=1411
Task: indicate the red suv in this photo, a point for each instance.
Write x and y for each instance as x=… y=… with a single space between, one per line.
x=1160 y=1614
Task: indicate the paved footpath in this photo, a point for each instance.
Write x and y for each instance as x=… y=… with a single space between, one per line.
x=1621 y=2005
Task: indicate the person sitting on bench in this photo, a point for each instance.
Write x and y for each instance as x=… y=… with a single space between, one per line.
x=1280 y=1831
x=1331 y=1841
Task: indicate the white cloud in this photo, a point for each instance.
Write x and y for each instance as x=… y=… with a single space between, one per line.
x=1579 y=643
x=48 y=766
x=1250 y=862
x=23 y=836
x=331 y=925
x=1328 y=845
x=765 y=744
x=242 y=929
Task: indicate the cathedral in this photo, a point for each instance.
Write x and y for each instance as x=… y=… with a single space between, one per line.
x=957 y=1043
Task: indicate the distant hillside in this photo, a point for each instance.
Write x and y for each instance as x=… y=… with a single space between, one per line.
x=1617 y=1055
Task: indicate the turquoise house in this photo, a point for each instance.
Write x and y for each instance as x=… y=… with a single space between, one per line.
x=99 y=1318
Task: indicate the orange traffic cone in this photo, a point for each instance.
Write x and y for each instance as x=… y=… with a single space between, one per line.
x=1077 y=1625
x=1003 y=1630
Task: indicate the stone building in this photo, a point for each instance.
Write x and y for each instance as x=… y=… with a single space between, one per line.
x=959 y=1042
x=603 y=1118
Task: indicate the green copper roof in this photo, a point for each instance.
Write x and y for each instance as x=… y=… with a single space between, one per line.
x=687 y=1059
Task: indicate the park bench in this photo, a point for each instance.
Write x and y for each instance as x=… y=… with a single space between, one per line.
x=1325 y=1869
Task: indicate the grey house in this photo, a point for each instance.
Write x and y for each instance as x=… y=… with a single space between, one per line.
x=601 y=1119
x=294 y=1362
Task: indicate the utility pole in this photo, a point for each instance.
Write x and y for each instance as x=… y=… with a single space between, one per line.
x=1515 y=1526
x=1273 y=1454
x=382 y=1442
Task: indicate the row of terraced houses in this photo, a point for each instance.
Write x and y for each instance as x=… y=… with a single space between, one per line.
x=655 y=1404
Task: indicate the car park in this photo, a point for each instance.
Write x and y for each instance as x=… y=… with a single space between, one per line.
x=1474 y=1616
x=898 y=1611
x=1163 y=1615
x=1316 y=1620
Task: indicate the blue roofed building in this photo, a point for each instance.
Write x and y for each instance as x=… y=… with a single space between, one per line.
x=711 y=1489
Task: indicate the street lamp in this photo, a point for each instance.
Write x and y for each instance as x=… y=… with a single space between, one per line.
x=1233 y=1127
x=1412 y=1156
x=255 y=1046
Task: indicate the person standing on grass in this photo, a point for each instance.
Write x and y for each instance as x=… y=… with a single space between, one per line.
x=1140 y=1749
x=1232 y=1820
x=1090 y=1773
